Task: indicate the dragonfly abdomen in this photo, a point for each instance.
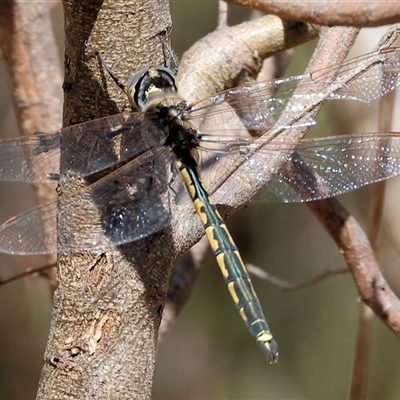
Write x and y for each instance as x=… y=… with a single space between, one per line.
x=230 y=263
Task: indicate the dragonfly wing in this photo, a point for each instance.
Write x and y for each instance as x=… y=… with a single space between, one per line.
x=32 y=159
x=126 y=205
x=89 y=147
x=322 y=168
x=99 y=144
x=31 y=232
x=256 y=107
x=259 y=106
x=107 y=141
x=376 y=74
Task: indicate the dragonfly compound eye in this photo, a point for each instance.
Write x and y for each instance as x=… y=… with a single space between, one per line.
x=148 y=82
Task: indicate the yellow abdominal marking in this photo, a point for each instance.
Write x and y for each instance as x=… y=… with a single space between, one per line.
x=243 y=314
x=213 y=243
x=264 y=336
x=232 y=291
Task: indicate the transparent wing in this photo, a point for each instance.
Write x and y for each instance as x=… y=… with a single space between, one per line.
x=259 y=106
x=111 y=140
x=89 y=147
x=127 y=201
x=33 y=159
x=129 y=204
x=124 y=206
x=316 y=169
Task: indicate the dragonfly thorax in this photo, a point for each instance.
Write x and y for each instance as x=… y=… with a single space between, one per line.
x=182 y=138
x=154 y=89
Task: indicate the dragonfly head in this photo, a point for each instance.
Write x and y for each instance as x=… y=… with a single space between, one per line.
x=148 y=84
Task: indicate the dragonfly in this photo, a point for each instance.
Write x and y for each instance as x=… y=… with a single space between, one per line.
x=157 y=153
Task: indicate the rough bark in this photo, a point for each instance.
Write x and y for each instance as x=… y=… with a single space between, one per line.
x=107 y=307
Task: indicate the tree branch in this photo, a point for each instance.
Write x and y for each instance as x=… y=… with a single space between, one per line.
x=234 y=56
x=107 y=307
x=30 y=53
x=329 y=13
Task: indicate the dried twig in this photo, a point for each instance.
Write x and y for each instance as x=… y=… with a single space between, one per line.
x=234 y=56
x=288 y=286
x=27 y=272
x=339 y=13
x=222 y=14
x=357 y=251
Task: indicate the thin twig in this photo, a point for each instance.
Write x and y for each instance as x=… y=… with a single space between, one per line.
x=361 y=362
x=288 y=286
x=222 y=14
x=27 y=272
x=357 y=251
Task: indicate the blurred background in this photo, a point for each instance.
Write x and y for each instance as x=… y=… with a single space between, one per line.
x=208 y=353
